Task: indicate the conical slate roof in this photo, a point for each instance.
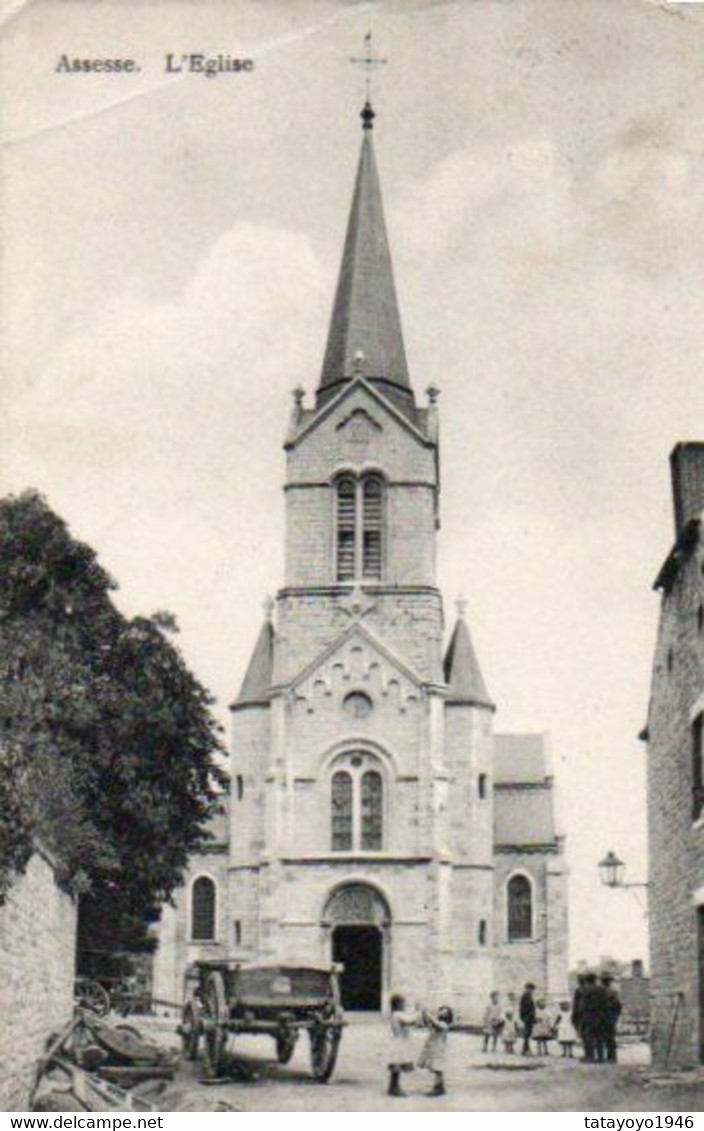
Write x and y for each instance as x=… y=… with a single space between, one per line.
x=365 y=337
x=256 y=684
x=462 y=671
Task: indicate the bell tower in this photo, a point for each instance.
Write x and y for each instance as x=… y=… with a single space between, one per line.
x=362 y=490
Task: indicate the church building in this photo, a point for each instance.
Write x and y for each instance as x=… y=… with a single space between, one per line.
x=374 y=818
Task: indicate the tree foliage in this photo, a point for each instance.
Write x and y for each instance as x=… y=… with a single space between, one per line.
x=108 y=743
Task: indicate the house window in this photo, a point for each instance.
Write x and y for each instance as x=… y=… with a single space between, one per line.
x=670 y=659
x=239 y=781
x=357 y=805
x=698 y=767
x=481 y=786
x=203 y=898
x=519 y=898
x=700 y=617
x=482 y=933
x=237 y=931
x=360 y=527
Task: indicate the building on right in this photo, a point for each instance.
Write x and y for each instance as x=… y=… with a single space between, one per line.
x=676 y=779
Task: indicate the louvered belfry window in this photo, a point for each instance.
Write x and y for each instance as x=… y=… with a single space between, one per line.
x=371 y=522
x=346 y=529
x=360 y=522
x=203 y=910
x=341 y=812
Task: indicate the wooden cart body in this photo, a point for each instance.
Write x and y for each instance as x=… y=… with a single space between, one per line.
x=281 y=1001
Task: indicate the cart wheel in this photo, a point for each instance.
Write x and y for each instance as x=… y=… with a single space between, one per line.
x=92 y=996
x=324 y=1043
x=215 y=1018
x=285 y=1044
x=122 y=1028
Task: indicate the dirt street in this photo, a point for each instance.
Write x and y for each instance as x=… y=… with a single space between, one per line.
x=476 y=1082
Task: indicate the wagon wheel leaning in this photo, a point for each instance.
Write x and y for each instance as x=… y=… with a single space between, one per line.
x=324 y=1043
x=91 y=995
x=215 y=1017
x=190 y=1032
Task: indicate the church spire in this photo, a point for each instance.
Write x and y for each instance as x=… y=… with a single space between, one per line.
x=365 y=337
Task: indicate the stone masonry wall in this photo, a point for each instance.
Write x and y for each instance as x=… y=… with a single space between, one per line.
x=676 y=842
x=37 y=966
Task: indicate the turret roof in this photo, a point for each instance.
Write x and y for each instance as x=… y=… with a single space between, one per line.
x=256 y=685
x=462 y=672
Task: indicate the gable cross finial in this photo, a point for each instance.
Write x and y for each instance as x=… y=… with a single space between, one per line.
x=369 y=61
x=268 y=605
x=461 y=605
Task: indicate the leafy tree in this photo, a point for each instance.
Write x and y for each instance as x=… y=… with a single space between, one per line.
x=108 y=744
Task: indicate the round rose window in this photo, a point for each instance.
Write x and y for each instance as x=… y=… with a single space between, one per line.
x=357 y=704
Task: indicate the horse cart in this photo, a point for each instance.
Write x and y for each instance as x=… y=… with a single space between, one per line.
x=226 y=998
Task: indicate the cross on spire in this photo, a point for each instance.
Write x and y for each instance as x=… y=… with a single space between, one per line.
x=369 y=61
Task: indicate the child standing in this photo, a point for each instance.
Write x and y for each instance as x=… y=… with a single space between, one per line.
x=510 y=1031
x=493 y=1023
x=401 y=1060
x=543 y=1028
x=434 y=1050
x=566 y=1032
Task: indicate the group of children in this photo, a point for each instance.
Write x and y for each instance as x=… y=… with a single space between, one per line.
x=499 y=1024
x=432 y=1055
x=551 y=1023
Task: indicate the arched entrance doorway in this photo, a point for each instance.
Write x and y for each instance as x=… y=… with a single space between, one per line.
x=359 y=921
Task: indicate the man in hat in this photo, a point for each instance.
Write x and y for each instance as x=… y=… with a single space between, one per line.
x=527 y=1014
x=612 y=1012
x=593 y=1015
x=576 y=1016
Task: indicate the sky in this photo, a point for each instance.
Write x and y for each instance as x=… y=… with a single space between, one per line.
x=171 y=249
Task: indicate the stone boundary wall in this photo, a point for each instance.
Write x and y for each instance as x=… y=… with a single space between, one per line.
x=37 y=963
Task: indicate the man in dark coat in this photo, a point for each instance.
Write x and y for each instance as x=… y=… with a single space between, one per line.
x=527 y=1015
x=576 y=1015
x=592 y=1009
x=612 y=1012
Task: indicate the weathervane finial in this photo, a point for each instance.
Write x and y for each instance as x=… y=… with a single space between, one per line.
x=368 y=61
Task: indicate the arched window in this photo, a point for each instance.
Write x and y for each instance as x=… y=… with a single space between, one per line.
x=372 y=805
x=482 y=932
x=519 y=897
x=372 y=522
x=481 y=786
x=203 y=898
x=360 y=522
x=346 y=528
x=341 y=812
x=357 y=804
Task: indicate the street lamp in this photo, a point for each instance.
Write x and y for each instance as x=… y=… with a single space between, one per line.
x=612 y=870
